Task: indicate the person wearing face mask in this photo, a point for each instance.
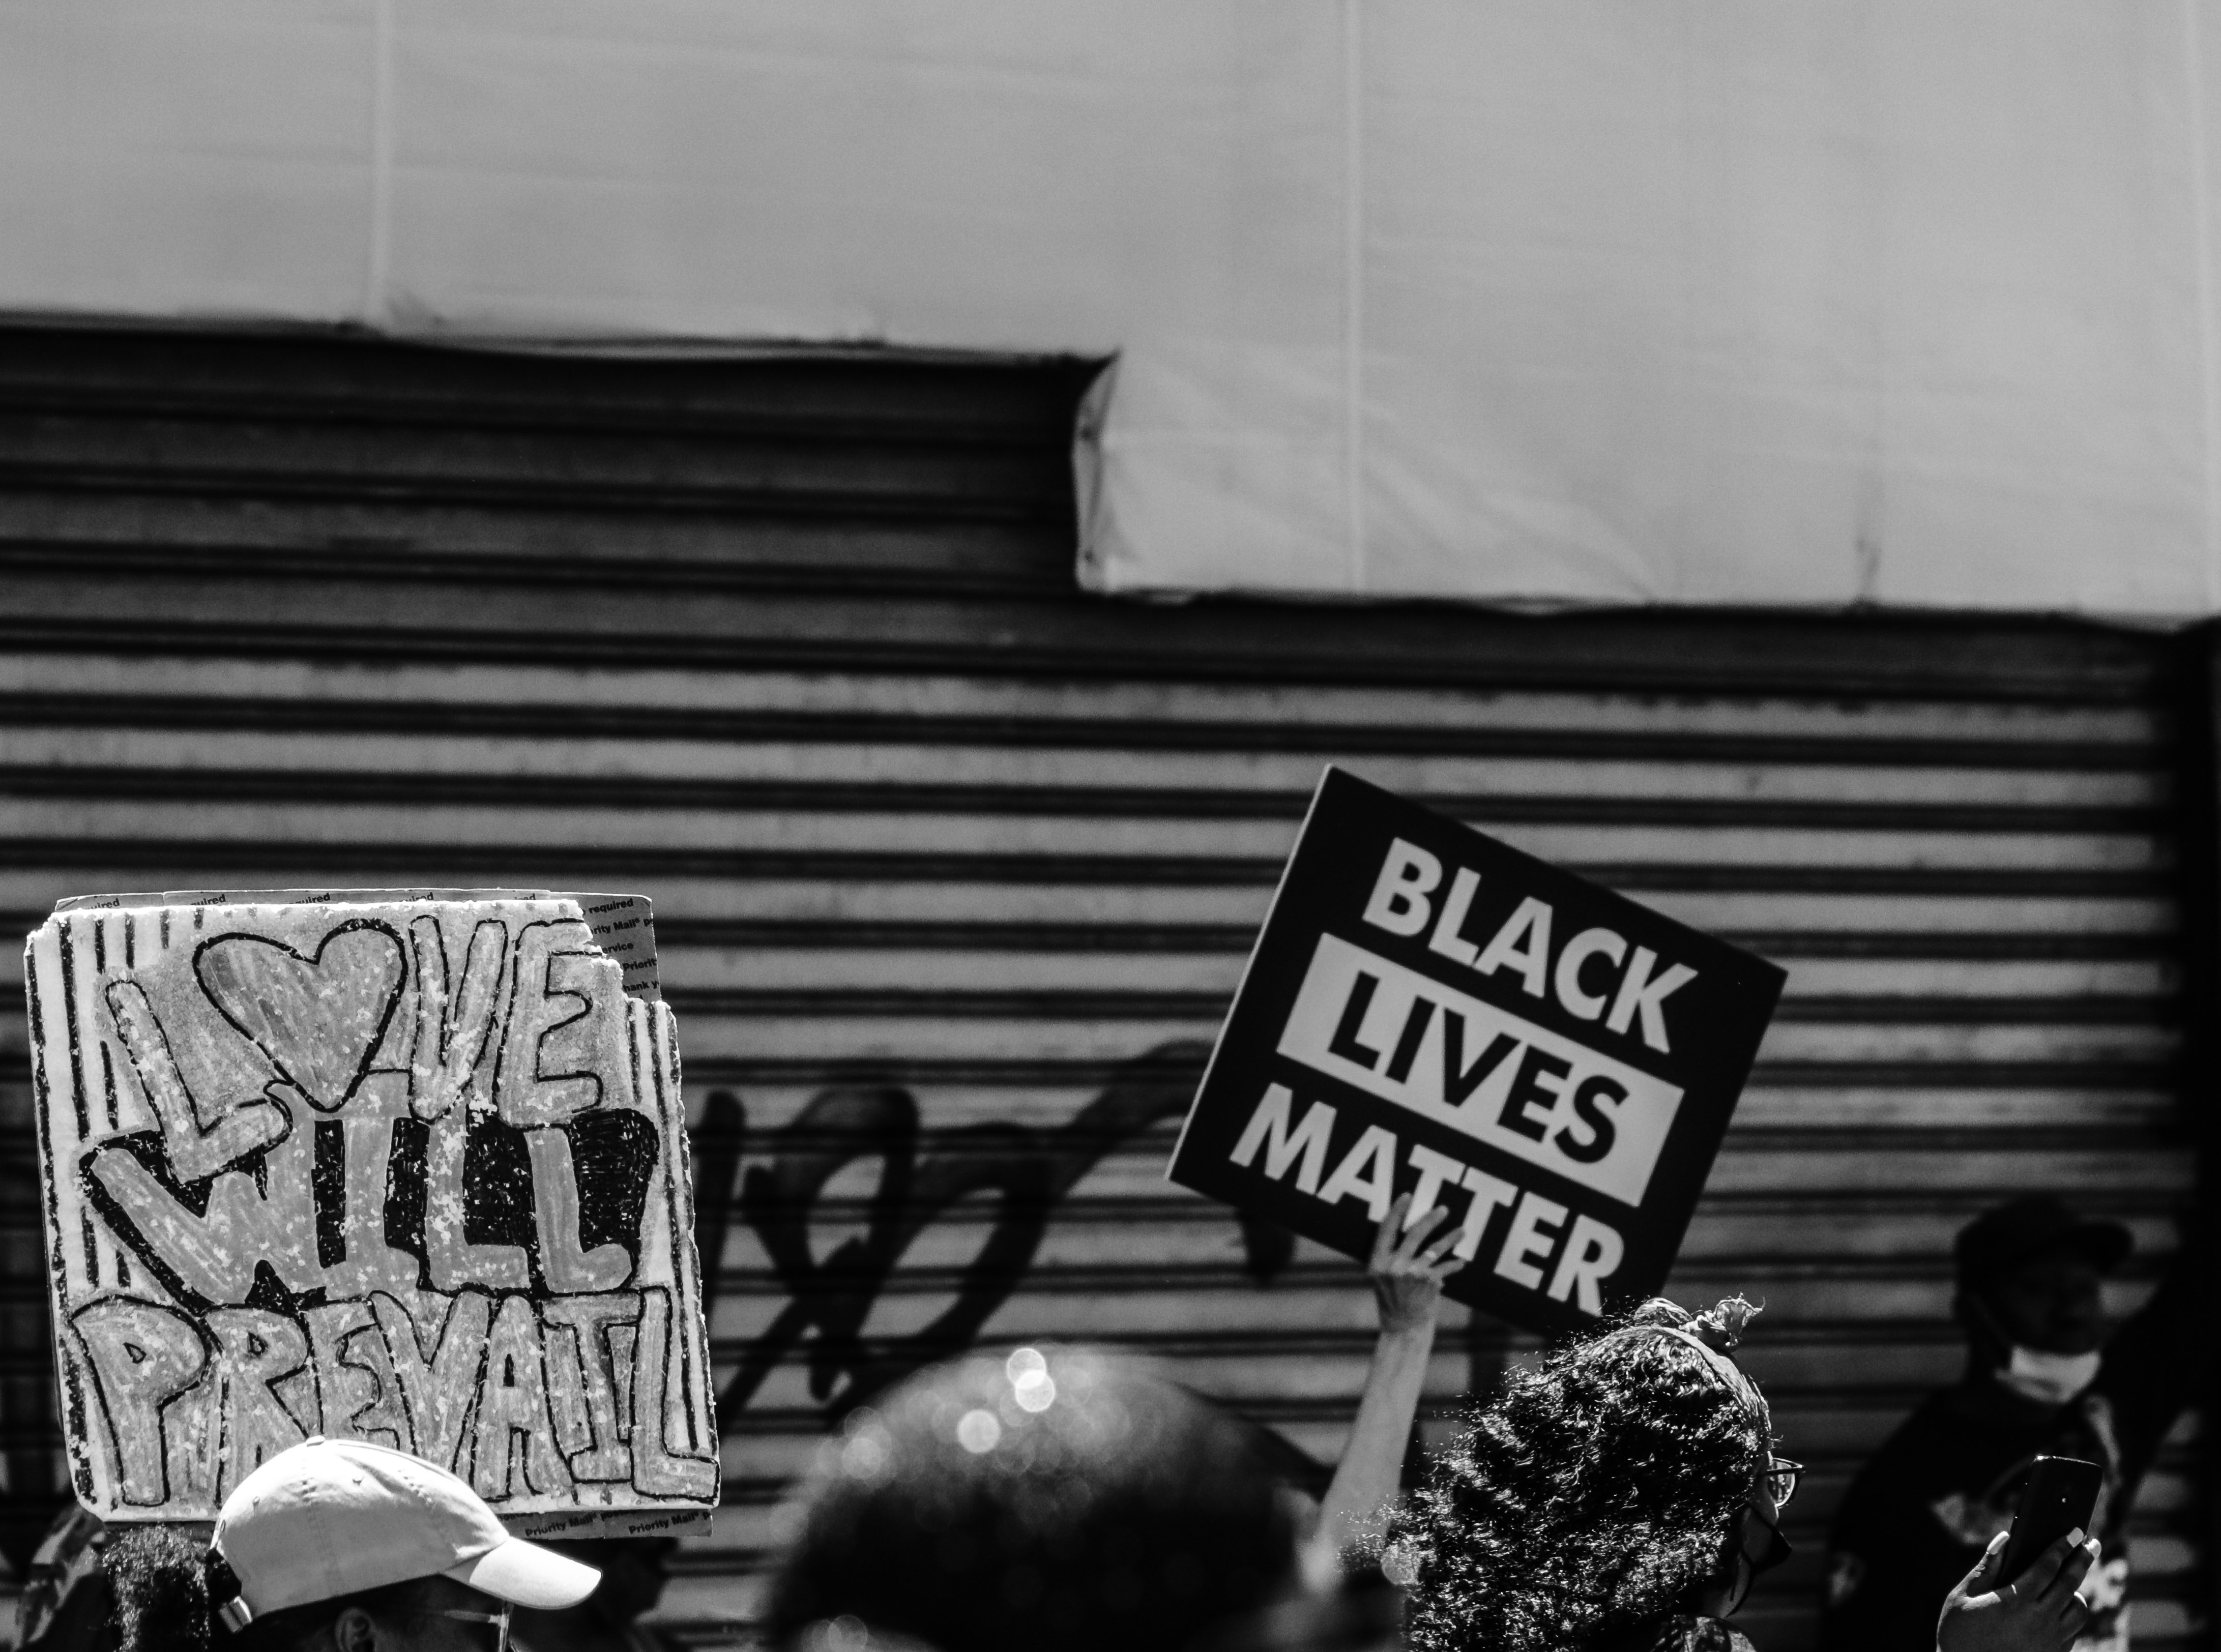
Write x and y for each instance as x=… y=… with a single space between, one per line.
x=2042 y=1377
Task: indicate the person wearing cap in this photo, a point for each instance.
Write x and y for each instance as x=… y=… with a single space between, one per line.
x=345 y=1545
x=2042 y=1377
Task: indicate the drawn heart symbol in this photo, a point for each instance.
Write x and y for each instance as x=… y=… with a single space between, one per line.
x=320 y=1019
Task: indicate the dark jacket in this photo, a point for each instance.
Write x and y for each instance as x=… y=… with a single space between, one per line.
x=1920 y=1513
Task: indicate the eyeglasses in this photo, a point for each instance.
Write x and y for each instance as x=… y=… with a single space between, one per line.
x=500 y=1619
x=1781 y=1477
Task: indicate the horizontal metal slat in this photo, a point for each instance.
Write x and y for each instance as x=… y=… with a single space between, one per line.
x=392 y=816
x=251 y=458
x=1436 y=719
x=2129 y=901
x=783 y=966
x=305 y=377
x=918 y=770
x=523 y=611
x=978 y=551
x=755 y=889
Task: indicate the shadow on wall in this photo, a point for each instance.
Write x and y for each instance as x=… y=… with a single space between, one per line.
x=1027 y=1171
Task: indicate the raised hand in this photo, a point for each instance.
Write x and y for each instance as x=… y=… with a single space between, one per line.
x=2037 y=1612
x=1407 y=1270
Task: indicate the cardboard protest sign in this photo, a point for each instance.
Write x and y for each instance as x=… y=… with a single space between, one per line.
x=1433 y=1012
x=405 y=1165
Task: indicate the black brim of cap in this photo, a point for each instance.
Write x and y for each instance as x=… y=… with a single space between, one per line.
x=2106 y=1243
x=2010 y=1234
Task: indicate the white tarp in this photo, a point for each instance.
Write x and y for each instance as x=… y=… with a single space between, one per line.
x=1689 y=301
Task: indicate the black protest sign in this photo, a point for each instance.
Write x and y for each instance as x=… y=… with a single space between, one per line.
x=1429 y=1011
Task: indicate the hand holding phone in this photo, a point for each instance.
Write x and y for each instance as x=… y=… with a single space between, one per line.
x=2039 y=1612
x=2059 y=1496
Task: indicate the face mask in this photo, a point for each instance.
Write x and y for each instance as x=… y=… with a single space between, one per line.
x=1771 y=1553
x=2050 y=1378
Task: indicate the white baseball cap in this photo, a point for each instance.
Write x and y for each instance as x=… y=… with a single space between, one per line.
x=332 y=1517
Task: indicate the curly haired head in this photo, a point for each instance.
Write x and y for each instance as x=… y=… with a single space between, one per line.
x=1589 y=1496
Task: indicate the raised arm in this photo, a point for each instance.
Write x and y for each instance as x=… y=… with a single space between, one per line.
x=1407 y=1270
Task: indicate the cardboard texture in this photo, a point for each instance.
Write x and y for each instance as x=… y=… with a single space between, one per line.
x=405 y=1165
x=1429 y=1011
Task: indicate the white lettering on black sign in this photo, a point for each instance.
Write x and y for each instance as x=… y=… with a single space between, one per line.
x=1522 y=945
x=1430 y=1012
x=1483 y=1072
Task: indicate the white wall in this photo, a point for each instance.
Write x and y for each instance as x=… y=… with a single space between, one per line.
x=1713 y=301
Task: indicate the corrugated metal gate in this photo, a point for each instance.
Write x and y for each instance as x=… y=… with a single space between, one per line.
x=955 y=870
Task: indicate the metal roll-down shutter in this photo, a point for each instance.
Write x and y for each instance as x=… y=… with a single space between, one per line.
x=954 y=869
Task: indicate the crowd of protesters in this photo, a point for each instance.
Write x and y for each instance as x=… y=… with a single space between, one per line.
x=1620 y=1495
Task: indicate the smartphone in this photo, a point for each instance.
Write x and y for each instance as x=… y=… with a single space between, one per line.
x=2060 y=1495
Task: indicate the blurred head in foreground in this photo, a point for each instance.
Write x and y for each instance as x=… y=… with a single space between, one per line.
x=1058 y=1497
x=1608 y=1497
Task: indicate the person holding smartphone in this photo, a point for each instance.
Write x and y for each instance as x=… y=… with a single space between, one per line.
x=2039 y=1610
x=2042 y=1377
